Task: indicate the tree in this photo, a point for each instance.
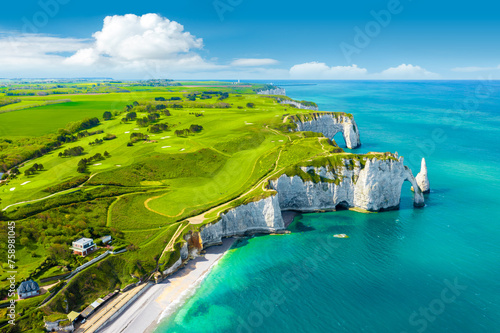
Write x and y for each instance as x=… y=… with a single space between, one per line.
x=195 y=128
x=24 y=241
x=250 y=105
x=107 y=115
x=40 y=167
x=106 y=154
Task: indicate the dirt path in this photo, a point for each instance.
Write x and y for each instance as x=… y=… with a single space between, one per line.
x=170 y=245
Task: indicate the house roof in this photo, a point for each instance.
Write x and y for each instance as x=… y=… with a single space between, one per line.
x=27 y=286
x=83 y=241
x=73 y=315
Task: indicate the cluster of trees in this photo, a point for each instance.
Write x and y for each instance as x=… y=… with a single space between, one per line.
x=187 y=131
x=16 y=151
x=82 y=164
x=96 y=142
x=73 y=182
x=197 y=114
x=107 y=115
x=145 y=121
x=223 y=96
x=36 y=167
x=157 y=128
x=84 y=124
x=250 y=105
x=130 y=116
x=7 y=101
x=84 y=134
x=74 y=151
x=134 y=137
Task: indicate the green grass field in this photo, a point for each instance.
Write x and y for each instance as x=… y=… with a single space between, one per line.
x=142 y=193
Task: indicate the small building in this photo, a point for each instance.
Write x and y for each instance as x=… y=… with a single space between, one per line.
x=72 y=316
x=83 y=246
x=106 y=239
x=28 y=289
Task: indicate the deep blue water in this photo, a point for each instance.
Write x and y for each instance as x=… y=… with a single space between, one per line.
x=435 y=269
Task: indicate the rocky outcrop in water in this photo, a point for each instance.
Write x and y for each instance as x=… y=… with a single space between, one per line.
x=330 y=124
x=422 y=178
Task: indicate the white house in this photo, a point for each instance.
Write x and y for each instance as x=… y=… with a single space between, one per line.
x=83 y=246
x=28 y=289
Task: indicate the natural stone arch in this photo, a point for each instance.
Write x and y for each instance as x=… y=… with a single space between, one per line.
x=330 y=124
x=418 y=196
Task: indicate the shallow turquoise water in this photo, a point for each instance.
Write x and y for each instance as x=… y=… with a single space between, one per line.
x=394 y=272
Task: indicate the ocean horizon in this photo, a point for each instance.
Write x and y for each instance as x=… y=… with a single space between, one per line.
x=434 y=269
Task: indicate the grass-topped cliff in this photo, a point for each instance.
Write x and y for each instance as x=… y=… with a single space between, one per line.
x=144 y=163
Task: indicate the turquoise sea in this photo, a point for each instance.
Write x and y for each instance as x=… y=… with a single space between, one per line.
x=435 y=269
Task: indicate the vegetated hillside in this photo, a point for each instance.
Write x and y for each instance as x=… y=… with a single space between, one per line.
x=157 y=155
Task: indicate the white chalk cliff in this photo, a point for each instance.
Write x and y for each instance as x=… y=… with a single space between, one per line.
x=330 y=124
x=422 y=178
x=263 y=216
x=374 y=187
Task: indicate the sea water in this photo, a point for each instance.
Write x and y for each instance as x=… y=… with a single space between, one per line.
x=435 y=269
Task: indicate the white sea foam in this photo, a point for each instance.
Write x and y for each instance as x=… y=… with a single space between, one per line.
x=186 y=294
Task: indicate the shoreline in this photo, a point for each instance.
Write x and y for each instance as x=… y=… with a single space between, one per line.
x=162 y=299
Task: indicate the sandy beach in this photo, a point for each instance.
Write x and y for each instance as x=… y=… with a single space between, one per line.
x=163 y=298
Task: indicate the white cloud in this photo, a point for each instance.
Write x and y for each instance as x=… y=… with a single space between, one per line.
x=128 y=46
x=473 y=69
x=133 y=40
x=405 y=72
x=251 y=62
x=319 y=70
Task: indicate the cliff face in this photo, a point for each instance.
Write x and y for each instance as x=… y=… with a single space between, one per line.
x=299 y=105
x=277 y=91
x=375 y=187
x=260 y=216
x=331 y=124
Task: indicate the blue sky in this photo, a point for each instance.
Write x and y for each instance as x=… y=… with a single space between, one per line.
x=230 y=39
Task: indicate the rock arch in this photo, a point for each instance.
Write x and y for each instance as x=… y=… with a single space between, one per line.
x=330 y=124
